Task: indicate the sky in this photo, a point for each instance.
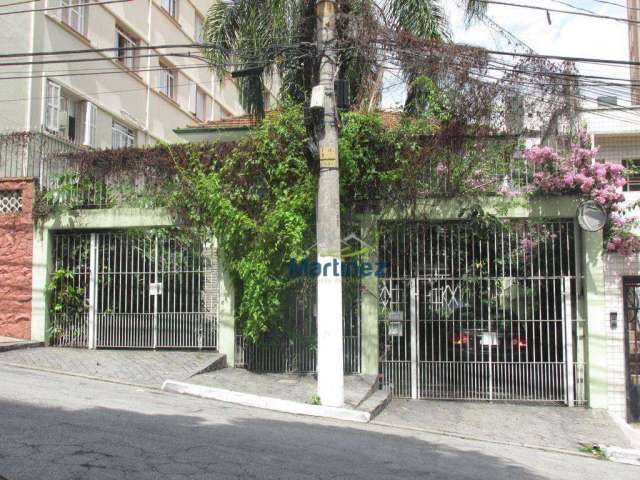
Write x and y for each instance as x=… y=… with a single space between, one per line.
x=568 y=35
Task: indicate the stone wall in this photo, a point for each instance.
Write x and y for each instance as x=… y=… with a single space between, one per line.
x=16 y=252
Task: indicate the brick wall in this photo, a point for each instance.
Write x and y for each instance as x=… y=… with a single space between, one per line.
x=616 y=267
x=16 y=251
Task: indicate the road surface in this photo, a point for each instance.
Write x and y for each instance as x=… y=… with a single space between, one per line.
x=60 y=427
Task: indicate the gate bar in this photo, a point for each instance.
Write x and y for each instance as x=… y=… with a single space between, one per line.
x=413 y=297
x=568 y=342
x=155 y=297
x=93 y=276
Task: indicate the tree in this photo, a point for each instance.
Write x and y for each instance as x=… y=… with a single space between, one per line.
x=263 y=41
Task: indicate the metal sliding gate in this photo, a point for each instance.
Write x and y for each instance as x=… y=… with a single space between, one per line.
x=481 y=313
x=131 y=289
x=294 y=351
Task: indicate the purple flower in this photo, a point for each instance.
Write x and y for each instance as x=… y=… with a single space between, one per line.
x=569 y=179
x=616 y=168
x=620 y=182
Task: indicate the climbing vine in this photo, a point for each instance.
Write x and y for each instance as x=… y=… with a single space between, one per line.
x=259 y=200
x=257 y=195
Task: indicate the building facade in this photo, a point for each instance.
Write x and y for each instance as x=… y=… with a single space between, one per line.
x=127 y=90
x=616 y=133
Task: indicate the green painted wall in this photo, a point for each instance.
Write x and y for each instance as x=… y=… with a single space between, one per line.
x=117 y=218
x=369 y=302
x=595 y=311
x=591 y=295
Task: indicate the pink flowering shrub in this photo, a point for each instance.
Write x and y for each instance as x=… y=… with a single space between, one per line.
x=621 y=238
x=581 y=173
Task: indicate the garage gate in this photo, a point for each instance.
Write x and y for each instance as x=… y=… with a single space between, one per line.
x=133 y=289
x=481 y=312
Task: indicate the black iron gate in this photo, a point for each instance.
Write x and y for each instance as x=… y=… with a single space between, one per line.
x=632 y=340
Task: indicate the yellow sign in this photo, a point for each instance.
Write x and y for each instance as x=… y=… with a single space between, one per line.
x=328 y=157
x=328 y=153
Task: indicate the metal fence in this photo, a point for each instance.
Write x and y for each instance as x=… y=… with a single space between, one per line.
x=294 y=349
x=42 y=155
x=45 y=157
x=481 y=313
x=130 y=289
x=36 y=154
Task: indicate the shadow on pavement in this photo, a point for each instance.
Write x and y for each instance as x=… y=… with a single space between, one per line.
x=96 y=443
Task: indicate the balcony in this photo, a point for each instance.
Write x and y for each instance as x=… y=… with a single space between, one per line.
x=35 y=154
x=613 y=120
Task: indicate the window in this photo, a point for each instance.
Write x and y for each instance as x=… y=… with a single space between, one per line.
x=89 y=124
x=53 y=101
x=74 y=15
x=171 y=6
x=199 y=28
x=121 y=136
x=167 y=84
x=69 y=116
x=198 y=101
x=125 y=44
x=633 y=174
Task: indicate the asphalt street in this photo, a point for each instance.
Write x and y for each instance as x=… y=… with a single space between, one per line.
x=60 y=427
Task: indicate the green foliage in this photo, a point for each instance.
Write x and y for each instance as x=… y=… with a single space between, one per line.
x=367 y=170
x=66 y=297
x=67 y=301
x=267 y=36
x=258 y=196
x=259 y=200
x=427 y=100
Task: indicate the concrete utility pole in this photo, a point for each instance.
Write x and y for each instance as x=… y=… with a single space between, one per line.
x=330 y=356
x=633 y=14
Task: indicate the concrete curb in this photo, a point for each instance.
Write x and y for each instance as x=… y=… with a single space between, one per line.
x=79 y=375
x=20 y=345
x=623 y=455
x=461 y=436
x=631 y=433
x=266 y=403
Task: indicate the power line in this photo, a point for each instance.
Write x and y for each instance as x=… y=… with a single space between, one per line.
x=99 y=59
x=275 y=46
x=7 y=100
x=555 y=10
x=566 y=58
x=112 y=70
x=101 y=72
x=46 y=9
x=605 y=2
x=98 y=92
x=289 y=46
x=566 y=4
x=19 y=3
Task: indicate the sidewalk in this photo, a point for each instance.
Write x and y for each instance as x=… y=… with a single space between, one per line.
x=10 y=343
x=298 y=388
x=288 y=393
x=547 y=426
x=140 y=367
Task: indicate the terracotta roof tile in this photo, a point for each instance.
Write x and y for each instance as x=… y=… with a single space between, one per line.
x=229 y=122
x=389 y=119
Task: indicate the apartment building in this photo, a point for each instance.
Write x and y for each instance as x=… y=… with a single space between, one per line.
x=124 y=94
